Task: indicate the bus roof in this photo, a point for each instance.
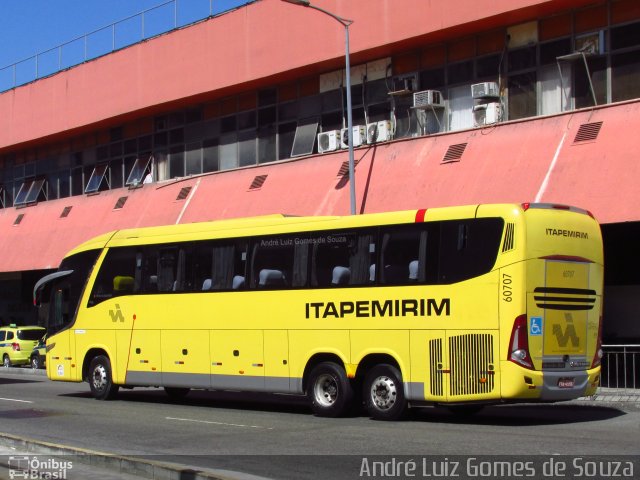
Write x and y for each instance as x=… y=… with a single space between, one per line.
x=279 y=223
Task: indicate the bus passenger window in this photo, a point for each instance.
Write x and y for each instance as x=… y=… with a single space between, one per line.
x=468 y=248
x=116 y=276
x=272 y=263
x=401 y=256
x=362 y=254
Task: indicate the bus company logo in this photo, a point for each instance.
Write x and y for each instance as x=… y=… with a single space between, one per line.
x=407 y=307
x=37 y=468
x=569 y=333
x=559 y=232
x=116 y=316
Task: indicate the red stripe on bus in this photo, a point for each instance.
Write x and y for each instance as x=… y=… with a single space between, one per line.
x=420 y=215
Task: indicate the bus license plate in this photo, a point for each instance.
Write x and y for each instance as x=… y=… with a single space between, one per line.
x=566 y=383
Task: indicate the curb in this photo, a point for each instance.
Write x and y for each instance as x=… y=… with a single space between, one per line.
x=121 y=464
x=23 y=371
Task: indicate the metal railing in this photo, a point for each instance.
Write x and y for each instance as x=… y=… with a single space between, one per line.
x=620 y=367
x=147 y=24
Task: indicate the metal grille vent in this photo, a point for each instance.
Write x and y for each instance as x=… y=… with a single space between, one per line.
x=184 y=193
x=435 y=366
x=471 y=364
x=588 y=132
x=454 y=152
x=344 y=168
x=18 y=219
x=65 y=212
x=120 y=203
x=508 y=237
x=258 y=181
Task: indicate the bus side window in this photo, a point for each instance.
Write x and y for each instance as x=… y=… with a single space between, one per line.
x=468 y=248
x=330 y=261
x=272 y=263
x=116 y=276
x=401 y=258
x=362 y=254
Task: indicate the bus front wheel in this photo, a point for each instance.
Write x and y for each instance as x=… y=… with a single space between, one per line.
x=329 y=390
x=101 y=380
x=384 y=393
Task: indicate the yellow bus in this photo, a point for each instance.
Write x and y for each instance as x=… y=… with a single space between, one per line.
x=459 y=306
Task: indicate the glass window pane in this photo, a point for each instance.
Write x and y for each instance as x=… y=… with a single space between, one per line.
x=176 y=162
x=625 y=76
x=555 y=90
x=267 y=145
x=194 y=159
x=460 y=72
x=228 y=152
x=96 y=178
x=305 y=138
x=460 y=108
x=522 y=58
x=139 y=169
x=247 y=148
x=522 y=96
x=598 y=71
x=286 y=134
x=210 y=155
x=34 y=191
x=21 y=197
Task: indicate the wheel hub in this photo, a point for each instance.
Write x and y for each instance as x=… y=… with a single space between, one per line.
x=384 y=393
x=99 y=377
x=326 y=390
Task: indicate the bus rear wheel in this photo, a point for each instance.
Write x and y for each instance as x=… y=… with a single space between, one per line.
x=101 y=380
x=329 y=390
x=384 y=393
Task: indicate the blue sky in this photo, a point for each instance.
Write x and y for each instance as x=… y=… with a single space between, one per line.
x=29 y=27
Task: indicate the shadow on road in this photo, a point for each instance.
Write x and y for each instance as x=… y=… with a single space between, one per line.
x=521 y=415
x=503 y=415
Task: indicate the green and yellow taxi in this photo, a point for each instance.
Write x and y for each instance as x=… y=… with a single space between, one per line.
x=17 y=343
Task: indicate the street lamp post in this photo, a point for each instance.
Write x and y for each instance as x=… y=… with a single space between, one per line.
x=345 y=23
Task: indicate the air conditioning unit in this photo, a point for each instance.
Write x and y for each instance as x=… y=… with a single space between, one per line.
x=487 y=114
x=379 y=131
x=403 y=85
x=485 y=90
x=428 y=99
x=359 y=136
x=329 y=141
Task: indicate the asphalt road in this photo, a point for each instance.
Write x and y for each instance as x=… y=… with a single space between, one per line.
x=278 y=437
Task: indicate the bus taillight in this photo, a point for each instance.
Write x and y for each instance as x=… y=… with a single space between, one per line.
x=519 y=343
x=597 y=357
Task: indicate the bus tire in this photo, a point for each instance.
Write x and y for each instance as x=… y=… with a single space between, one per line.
x=329 y=390
x=384 y=393
x=101 y=380
x=177 y=393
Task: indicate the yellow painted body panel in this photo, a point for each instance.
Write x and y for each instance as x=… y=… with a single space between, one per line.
x=266 y=339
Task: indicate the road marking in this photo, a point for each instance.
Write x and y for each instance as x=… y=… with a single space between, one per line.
x=217 y=423
x=15 y=400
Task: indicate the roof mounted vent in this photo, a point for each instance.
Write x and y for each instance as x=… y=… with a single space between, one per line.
x=184 y=193
x=454 y=152
x=588 y=132
x=120 y=203
x=65 y=212
x=258 y=181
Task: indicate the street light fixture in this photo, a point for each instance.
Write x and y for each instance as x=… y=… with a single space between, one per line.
x=345 y=23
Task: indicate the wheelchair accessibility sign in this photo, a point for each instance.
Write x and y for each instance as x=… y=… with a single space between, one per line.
x=535 y=326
